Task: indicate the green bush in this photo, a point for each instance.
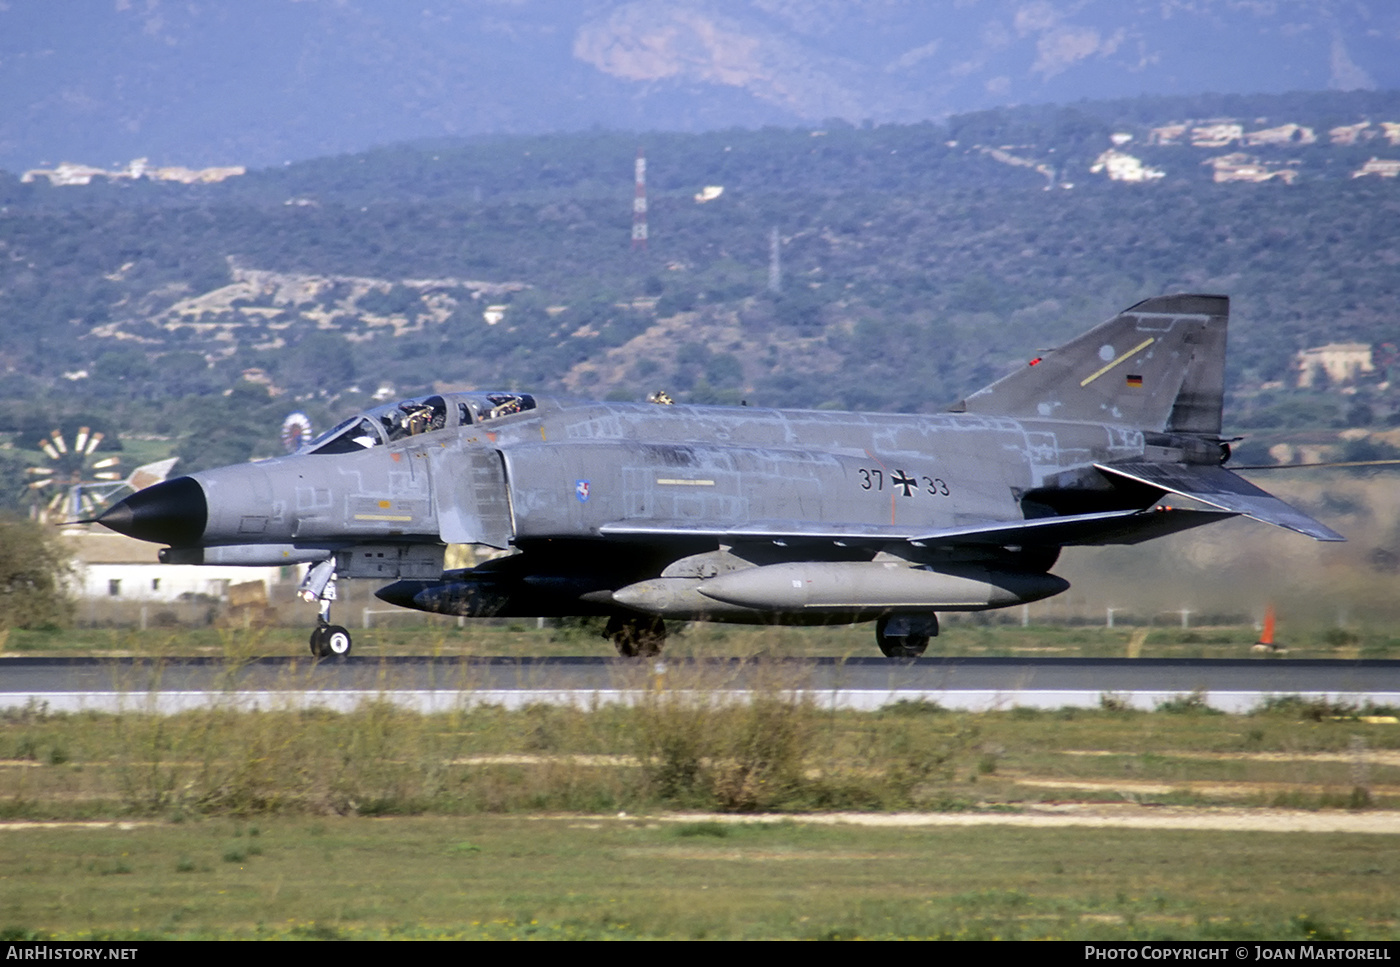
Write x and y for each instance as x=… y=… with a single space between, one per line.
x=34 y=569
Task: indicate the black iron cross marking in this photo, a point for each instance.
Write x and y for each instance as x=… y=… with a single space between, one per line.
x=908 y=483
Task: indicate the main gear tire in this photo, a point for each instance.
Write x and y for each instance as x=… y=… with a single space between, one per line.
x=910 y=644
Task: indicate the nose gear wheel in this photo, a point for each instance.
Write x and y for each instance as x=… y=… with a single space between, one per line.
x=330 y=641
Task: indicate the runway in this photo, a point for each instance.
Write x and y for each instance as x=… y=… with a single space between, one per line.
x=442 y=684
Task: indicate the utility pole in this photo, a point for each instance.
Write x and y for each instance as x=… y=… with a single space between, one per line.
x=639 y=205
x=775 y=265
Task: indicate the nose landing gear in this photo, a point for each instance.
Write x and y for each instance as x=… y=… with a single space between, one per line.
x=330 y=641
x=327 y=640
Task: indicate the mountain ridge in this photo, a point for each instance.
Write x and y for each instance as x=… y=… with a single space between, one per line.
x=267 y=81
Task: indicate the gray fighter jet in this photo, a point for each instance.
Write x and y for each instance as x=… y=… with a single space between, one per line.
x=643 y=512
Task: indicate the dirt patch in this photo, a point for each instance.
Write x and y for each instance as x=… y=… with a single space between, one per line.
x=721 y=331
x=1103 y=815
x=599 y=761
x=1378 y=757
x=752 y=856
x=1042 y=815
x=1227 y=789
x=7 y=827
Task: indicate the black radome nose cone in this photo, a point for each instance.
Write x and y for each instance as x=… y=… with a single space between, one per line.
x=173 y=512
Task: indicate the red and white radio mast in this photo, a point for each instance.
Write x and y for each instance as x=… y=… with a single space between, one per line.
x=639 y=204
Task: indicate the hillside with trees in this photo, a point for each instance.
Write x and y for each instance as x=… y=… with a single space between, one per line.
x=917 y=263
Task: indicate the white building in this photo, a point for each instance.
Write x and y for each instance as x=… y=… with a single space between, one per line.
x=1339 y=363
x=113 y=567
x=1216 y=134
x=1284 y=134
x=1242 y=167
x=1383 y=167
x=1124 y=167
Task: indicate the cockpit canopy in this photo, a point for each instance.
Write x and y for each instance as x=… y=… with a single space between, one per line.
x=414 y=417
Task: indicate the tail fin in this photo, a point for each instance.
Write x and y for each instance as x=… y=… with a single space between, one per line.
x=1157 y=366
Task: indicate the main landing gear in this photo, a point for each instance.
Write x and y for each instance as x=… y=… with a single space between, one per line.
x=905 y=635
x=640 y=636
x=328 y=640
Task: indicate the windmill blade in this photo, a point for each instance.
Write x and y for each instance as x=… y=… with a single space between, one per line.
x=296 y=430
x=82 y=482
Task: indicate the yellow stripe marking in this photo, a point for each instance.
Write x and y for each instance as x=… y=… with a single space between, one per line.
x=680 y=482
x=1136 y=349
x=391 y=517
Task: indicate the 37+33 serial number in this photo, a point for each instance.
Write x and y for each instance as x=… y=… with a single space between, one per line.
x=907 y=485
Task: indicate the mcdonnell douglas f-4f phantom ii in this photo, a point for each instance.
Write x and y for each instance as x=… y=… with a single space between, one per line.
x=643 y=513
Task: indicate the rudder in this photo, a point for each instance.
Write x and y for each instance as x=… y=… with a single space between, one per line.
x=1159 y=365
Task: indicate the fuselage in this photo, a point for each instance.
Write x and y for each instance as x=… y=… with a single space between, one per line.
x=569 y=469
x=604 y=497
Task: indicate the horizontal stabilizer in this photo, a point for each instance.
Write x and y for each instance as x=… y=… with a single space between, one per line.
x=1219 y=487
x=1104 y=527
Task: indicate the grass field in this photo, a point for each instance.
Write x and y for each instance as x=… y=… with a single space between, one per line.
x=661 y=820
x=683 y=749
x=686 y=818
x=512 y=876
